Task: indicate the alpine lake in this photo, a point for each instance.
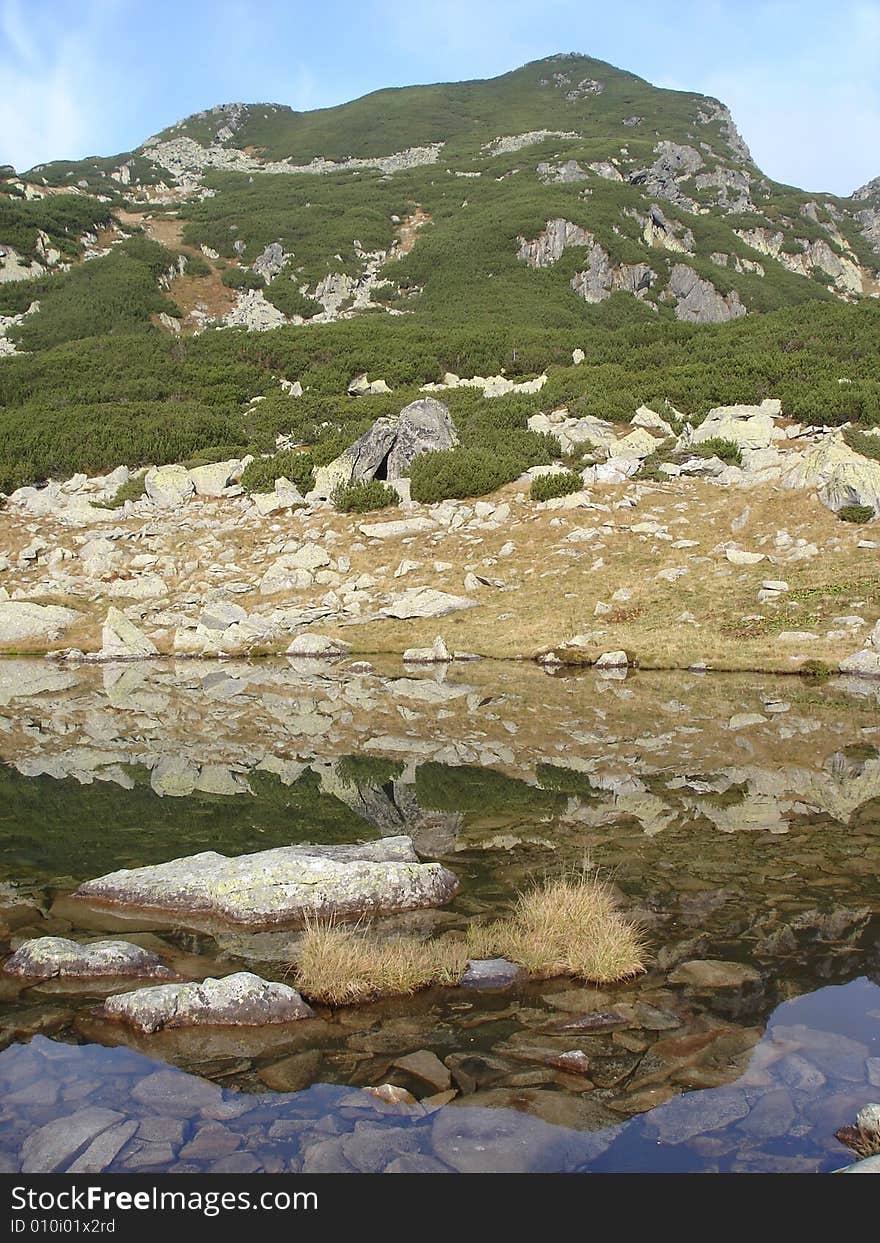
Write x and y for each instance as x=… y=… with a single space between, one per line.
x=738 y=818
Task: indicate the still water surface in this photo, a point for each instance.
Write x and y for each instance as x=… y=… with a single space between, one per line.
x=739 y=818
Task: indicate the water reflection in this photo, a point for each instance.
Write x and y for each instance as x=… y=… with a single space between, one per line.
x=738 y=816
x=87 y=1108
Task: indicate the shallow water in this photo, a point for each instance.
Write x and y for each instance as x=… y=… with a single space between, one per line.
x=739 y=818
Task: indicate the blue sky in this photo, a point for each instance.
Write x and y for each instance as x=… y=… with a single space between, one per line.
x=80 y=77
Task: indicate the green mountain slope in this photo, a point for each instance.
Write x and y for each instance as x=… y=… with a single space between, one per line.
x=472 y=227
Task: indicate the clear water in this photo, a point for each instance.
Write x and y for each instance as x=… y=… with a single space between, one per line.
x=739 y=817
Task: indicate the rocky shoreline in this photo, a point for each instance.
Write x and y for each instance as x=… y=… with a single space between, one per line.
x=708 y=566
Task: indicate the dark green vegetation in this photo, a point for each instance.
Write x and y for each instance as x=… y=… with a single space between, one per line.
x=544 y=487
x=114 y=295
x=868 y=445
x=727 y=451
x=474 y=471
x=363 y=498
x=63 y=218
x=855 y=513
x=103 y=383
x=116 y=827
x=260 y=475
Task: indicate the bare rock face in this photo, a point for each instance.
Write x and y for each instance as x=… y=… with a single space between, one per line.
x=675 y=162
x=270 y=262
x=698 y=301
x=868 y=217
x=239 y=1000
x=282 y=887
x=52 y=958
x=547 y=248
x=601 y=277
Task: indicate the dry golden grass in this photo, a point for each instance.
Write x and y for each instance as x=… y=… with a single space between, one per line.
x=552 y=586
x=344 y=965
x=564 y=927
x=571 y=926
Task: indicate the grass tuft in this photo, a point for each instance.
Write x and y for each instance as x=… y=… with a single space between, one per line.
x=570 y=926
x=564 y=927
x=342 y=965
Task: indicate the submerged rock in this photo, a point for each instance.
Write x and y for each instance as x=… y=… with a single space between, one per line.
x=239 y=1000
x=284 y=886
x=712 y=973
x=58 y=958
x=490 y=973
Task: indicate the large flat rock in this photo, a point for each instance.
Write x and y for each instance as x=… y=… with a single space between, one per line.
x=282 y=887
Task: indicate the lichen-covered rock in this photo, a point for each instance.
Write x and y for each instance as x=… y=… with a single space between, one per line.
x=284 y=886
x=865 y=663
x=750 y=427
x=58 y=958
x=215 y=477
x=239 y=1000
x=318 y=645
x=855 y=481
x=168 y=485
x=401 y=527
x=841 y=476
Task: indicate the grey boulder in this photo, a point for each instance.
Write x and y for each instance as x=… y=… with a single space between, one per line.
x=58 y=958
x=239 y=1000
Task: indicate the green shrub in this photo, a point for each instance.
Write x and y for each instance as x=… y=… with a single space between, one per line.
x=865 y=443
x=562 y=484
x=727 y=450
x=474 y=471
x=242 y=278
x=197 y=265
x=286 y=295
x=364 y=497
x=818 y=670
x=855 y=513
x=260 y=475
x=459 y=473
x=132 y=490
x=665 y=452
